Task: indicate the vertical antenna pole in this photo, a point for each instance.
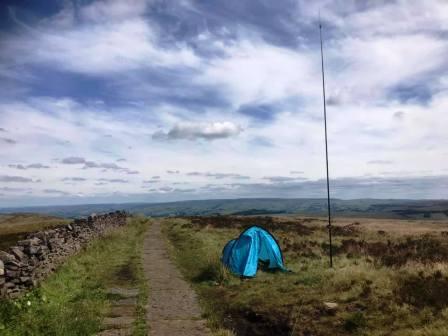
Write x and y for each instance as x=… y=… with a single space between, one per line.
x=326 y=143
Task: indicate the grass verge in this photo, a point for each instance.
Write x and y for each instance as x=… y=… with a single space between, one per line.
x=73 y=300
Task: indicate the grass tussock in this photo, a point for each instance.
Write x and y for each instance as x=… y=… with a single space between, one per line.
x=213 y=271
x=384 y=283
x=73 y=300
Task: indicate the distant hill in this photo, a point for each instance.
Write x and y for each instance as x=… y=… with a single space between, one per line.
x=396 y=209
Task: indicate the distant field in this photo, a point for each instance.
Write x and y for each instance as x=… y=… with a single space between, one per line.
x=390 y=277
x=14 y=227
x=367 y=208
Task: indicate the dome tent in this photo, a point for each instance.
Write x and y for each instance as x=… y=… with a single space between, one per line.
x=254 y=244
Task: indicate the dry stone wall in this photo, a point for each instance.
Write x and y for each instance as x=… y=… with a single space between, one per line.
x=31 y=259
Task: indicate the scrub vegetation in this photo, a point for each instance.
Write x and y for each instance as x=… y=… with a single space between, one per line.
x=390 y=277
x=74 y=300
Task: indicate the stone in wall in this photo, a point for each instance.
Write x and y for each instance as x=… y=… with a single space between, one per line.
x=33 y=258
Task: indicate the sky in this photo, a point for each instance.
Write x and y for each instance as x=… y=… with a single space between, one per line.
x=149 y=101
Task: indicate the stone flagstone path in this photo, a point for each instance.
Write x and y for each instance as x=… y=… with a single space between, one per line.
x=172 y=305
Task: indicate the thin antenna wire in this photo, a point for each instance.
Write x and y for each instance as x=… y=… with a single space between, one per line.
x=326 y=143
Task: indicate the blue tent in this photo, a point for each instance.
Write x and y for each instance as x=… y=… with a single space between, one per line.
x=254 y=244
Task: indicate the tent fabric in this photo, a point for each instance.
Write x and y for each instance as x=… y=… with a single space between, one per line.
x=254 y=244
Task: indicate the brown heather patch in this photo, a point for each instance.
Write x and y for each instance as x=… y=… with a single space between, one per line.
x=241 y=223
x=424 y=290
x=424 y=250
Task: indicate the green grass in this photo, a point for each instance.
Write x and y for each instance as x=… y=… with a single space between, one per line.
x=73 y=300
x=373 y=299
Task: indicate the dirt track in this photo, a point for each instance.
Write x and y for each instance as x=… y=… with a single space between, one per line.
x=172 y=304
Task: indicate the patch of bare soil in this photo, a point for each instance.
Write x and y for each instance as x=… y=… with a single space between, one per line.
x=173 y=308
x=251 y=323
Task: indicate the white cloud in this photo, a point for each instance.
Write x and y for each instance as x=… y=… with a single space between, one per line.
x=20 y=179
x=194 y=131
x=254 y=71
x=172 y=171
x=8 y=141
x=113 y=10
x=380 y=162
x=398 y=17
x=29 y=166
x=114 y=180
x=73 y=160
x=376 y=64
x=219 y=176
x=282 y=179
x=55 y=191
x=99 y=48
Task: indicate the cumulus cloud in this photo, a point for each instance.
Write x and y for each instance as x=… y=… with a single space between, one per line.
x=195 y=131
